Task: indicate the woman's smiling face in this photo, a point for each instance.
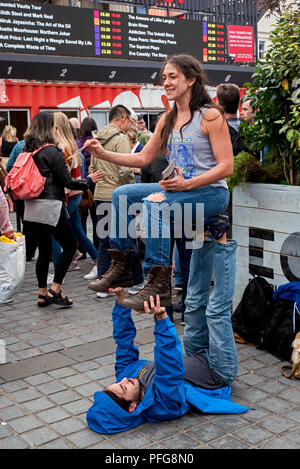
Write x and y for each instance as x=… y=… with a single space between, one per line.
x=176 y=85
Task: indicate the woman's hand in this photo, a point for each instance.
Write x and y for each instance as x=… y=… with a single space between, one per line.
x=94 y=147
x=176 y=184
x=96 y=176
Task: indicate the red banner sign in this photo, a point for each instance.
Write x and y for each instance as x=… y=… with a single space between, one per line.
x=240 y=43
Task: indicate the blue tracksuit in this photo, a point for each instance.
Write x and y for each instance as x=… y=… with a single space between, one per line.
x=168 y=396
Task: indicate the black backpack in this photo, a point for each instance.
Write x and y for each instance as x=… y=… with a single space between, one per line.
x=237 y=141
x=281 y=330
x=254 y=311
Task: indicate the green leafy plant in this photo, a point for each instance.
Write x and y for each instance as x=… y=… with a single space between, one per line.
x=275 y=94
x=248 y=169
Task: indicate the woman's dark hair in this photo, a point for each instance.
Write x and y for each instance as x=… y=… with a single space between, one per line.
x=87 y=126
x=40 y=131
x=191 y=68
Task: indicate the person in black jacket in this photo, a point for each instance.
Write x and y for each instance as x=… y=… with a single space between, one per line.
x=47 y=214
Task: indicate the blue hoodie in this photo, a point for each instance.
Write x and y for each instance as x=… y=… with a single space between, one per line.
x=168 y=396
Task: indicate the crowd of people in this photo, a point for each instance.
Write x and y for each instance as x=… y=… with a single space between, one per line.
x=90 y=172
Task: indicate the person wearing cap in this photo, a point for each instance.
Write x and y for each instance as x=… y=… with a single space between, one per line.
x=154 y=391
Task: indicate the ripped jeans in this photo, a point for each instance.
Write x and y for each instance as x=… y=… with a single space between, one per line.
x=187 y=208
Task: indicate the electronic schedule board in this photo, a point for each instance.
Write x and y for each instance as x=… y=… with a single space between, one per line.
x=45 y=29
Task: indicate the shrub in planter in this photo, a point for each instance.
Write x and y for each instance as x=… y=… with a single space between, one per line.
x=275 y=93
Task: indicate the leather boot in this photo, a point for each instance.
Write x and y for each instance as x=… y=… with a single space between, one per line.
x=119 y=273
x=158 y=284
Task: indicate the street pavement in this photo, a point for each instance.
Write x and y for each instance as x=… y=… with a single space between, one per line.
x=57 y=358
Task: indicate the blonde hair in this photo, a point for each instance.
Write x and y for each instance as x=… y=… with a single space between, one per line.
x=65 y=137
x=10 y=133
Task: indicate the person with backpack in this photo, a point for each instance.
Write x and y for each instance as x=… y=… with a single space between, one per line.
x=73 y=197
x=228 y=98
x=47 y=214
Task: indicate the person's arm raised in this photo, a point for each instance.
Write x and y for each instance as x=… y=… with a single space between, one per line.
x=149 y=153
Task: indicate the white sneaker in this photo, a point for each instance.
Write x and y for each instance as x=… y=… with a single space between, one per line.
x=136 y=288
x=103 y=295
x=93 y=274
x=50 y=279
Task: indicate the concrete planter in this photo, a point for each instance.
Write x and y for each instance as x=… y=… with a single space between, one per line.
x=266 y=225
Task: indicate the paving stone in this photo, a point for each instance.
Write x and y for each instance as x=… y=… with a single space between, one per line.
x=254 y=395
x=275 y=405
x=4 y=431
x=39 y=436
x=85 y=438
x=75 y=380
x=272 y=387
x=64 y=397
x=78 y=407
x=14 y=386
x=38 y=379
x=180 y=441
x=206 y=432
x=101 y=373
x=13 y=442
x=277 y=424
x=23 y=424
x=25 y=395
x=256 y=414
x=228 y=442
x=53 y=415
x=56 y=444
x=294 y=436
x=62 y=373
x=105 y=445
x=293 y=414
x=11 y=412
x=187 y=421
x=230 y=422
x=277 y=443
x=5 y=402
x=38 y=404
x=157 y=430
x=252 y=379
x=51 y=387
x=85 y=366
x=253 y=435
x=132 y=440
x=70 y=425
x=293 y=395
x=88 y=390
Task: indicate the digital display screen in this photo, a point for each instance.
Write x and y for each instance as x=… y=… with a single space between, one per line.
x=78 y=32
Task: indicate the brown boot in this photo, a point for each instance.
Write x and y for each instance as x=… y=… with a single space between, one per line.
x=119 y=273
x=158 y=284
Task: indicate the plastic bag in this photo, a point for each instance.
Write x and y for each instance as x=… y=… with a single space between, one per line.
x=12 y=266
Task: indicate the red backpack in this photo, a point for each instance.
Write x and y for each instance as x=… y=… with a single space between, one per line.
x=24 y=181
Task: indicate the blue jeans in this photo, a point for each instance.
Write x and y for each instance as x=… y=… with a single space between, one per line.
x=79 y=234
x=178 y=276
x=104 y=259
x=208 y=327
x=158 y=244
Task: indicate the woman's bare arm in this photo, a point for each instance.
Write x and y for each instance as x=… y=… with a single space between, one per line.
x=149 y=153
